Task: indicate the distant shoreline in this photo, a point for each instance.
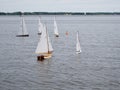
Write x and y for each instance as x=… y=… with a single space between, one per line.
x=59 y=13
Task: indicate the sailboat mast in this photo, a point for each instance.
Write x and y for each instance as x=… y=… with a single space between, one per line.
x=78 y=36
x=47 y=39
x=22 y=26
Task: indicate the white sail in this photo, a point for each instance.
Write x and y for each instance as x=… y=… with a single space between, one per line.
x=50 y=45
x=23 y=30
x=40 y=26
x=78 y=48
x=44 y=45
x=55 y=27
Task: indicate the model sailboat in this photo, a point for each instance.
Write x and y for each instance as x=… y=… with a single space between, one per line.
x=78 y=48
x=55 y=28
x=40 y=26
x=44 y=48
x=23 y=32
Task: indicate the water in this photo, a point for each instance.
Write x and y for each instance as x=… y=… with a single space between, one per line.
x=96 y=68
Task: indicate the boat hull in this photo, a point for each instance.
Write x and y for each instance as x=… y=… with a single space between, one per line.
x=47 y=56
x=57 y=35
x=22 y=35
x=39 y=33
x=44 y=56
x=40 y=58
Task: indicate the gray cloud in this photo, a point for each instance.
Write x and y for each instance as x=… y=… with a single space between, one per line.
x=59 y=5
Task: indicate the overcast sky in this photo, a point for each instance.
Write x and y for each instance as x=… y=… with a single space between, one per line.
x=60 y=5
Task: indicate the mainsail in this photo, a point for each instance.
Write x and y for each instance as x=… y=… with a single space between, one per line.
x=44 y=44
x=78 y=48
x=55 y=27
x=40 y=26
x=23 y=31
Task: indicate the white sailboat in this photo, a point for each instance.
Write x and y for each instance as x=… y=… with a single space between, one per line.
x=78 y=48
x=40 y=26
x=44 y=48
x=56 y=28
x=23 y=32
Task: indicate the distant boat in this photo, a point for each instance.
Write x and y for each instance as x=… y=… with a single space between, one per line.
x=44 y=48
x=56 y=28
x=78 y=48
x=40 y=27
x=66 y=33
x=23 y=32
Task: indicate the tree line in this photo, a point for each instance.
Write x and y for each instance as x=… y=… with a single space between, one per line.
x=59 y=13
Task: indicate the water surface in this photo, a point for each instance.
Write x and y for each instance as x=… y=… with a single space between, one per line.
x=96 y=68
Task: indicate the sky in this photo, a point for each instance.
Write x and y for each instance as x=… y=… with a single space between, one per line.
x=60 y=5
